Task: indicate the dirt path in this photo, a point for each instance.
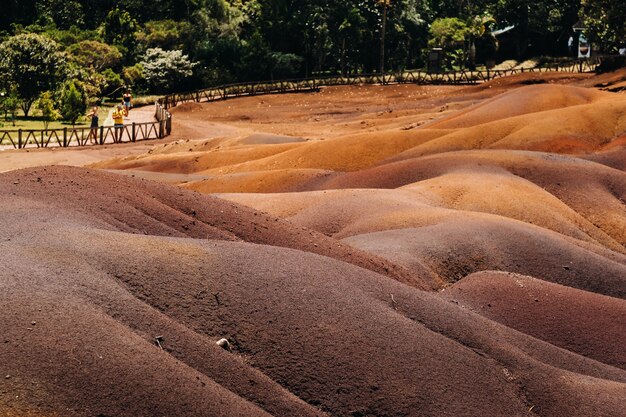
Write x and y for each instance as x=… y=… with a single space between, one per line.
x=11 y=159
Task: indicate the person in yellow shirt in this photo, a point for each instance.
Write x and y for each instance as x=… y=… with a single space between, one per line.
x=118 y=122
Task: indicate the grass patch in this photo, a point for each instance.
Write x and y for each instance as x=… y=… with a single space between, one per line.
x=35 y=122
x=145 y=100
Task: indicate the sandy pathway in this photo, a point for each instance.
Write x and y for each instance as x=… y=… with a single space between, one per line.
x=11 y=159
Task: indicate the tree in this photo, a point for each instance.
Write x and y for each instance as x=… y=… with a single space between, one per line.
x=133 y=75
x=111 y=82
x=47 y=107
x=9 y=103
x=73 y=101
x=478 y=28
x=64 y=13
x=165 y=71
x=545 y=23
x=383 y=31
x=606 y=23
x=33 y=64
x=284 y=65
x=165 y=34
x=95 y=55
x=449 y=34
x=17 y=12
x=119 y=29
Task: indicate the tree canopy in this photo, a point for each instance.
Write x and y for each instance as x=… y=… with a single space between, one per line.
x=104 y=44
x=606 y=22
x=31 y=64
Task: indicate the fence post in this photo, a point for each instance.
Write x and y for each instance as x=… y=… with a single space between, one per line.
x=134 y=137
x=101 y=140
x=19 y=139
x=161 y=130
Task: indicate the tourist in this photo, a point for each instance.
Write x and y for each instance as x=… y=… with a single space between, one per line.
x=127 y=100
x=118 y=122
x=93 y=129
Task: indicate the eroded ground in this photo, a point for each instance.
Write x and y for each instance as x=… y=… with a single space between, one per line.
x=367 y=251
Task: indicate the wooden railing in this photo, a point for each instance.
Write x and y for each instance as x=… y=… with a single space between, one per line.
x=162 y=126
x=406 y=77
x=84 y=136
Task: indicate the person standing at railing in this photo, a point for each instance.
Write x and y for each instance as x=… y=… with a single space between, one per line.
x=127 y=100
x=118 y=122
x=93 y=128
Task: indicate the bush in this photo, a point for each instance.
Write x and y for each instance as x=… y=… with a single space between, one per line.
x=73 y=101
x=166 y=71
x=47 y=107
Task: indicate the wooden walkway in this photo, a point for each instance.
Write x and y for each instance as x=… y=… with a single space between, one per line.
x=156 y=126
x=160 y=125
x=407 y=77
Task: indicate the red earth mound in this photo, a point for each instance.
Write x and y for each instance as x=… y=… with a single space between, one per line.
x=463 y=245
x=166 y=211
x=85 y=299
x=579 y=321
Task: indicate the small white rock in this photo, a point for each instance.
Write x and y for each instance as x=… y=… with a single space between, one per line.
x=224 y=344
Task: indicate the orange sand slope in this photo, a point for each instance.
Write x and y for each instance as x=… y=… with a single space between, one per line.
x=550 y=118
x=558 y=218
x=98 y=265
x=472 y=173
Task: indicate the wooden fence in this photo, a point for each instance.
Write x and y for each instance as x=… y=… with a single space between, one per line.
x=406 y=77
x=162 y=126
x=84 y=136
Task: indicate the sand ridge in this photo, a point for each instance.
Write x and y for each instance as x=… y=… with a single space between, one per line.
x=311 y=334
x=576 y=320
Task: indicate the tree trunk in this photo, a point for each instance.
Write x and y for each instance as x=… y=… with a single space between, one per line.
x=343 y=56
x=26 y=105
x=382 y=38
x=472 y=54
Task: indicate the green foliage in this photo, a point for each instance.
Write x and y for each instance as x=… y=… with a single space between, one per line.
x=166 y=34
x=63 y=13
x=606 y=23
x=95 y=55
x=133 y=76
x=112 y=82
x=119 y=29
x=64 y=37
x=238 y=40
x=47 y=107
x=285 y=65
x=73 y=101
x=546 y=21
x=449 y=34
x=9 y=104
x=32 y=64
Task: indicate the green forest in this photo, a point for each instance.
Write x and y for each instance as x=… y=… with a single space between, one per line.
x=51 y=49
